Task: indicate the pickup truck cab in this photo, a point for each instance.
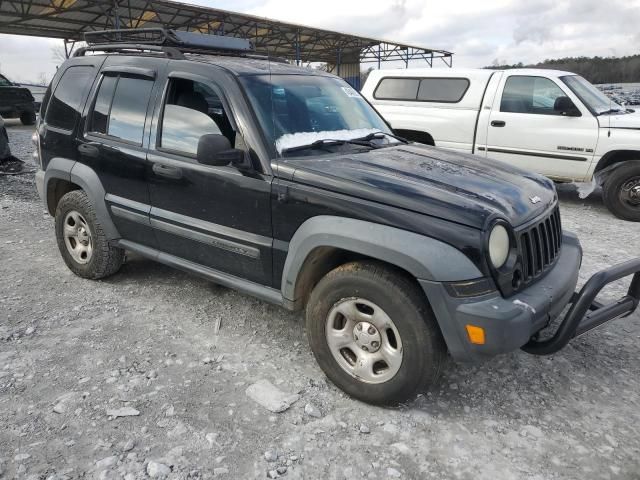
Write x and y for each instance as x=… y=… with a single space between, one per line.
x=283 y=182
x=551 y=122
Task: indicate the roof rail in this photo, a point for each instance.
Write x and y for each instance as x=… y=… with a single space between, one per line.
x=183 y=41
x=168 y=52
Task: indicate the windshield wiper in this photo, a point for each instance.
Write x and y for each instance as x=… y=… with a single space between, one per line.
x=610 y=111
x=381 y=134
x=319 y=144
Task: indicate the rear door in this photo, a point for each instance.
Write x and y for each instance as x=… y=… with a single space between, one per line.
x=116 y=140
x=524 y=129
x=216 y=216
x=62 y=110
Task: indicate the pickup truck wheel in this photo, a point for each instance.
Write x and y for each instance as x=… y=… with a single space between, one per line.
x=81 y=240
x=373 y=333
x=622 y=191
x=28 y=118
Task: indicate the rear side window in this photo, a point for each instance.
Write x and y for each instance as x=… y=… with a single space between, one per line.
x=68 y=97
x=441 y=90
x=120 y=108
x=397 y=89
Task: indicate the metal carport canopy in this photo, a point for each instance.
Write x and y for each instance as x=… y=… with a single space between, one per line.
x=69 y=19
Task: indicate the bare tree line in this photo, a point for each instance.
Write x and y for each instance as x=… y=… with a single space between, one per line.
x=595 y=69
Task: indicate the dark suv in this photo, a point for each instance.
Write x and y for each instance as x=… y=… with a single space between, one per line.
x=284 y=183
x=16 y=102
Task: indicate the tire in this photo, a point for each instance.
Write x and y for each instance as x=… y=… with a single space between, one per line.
x=28 y=118
x=75 y=213
x=621 y=191
x=369 y=291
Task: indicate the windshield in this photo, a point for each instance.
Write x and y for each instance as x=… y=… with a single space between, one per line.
x=297 y=110
x=593 y=98
x=4 y=82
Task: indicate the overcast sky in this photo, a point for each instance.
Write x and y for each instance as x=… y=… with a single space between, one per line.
x=479 y=32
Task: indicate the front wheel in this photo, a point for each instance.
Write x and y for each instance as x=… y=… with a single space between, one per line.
x=373 y=333
x=622 y=191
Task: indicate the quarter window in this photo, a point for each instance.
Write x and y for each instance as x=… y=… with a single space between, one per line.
x=120 y=108
x=439 y=90
x=532 y=95
x=72 y=89
x=192 y=109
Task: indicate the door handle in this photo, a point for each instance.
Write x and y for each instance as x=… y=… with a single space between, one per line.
x=167 y=171
x=89 y=150
x=498 y=123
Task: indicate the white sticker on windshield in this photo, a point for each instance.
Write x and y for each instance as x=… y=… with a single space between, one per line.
x=351 y=92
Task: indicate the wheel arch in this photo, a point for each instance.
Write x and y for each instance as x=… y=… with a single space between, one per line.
x=63 y=175
x=616 y=156
x=322 y=243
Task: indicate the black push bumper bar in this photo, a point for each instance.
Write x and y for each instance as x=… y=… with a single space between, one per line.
x=586 y=313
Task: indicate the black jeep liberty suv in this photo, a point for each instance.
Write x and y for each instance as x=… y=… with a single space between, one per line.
x=284 y=183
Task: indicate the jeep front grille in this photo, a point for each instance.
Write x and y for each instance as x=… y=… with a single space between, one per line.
x=539 y=246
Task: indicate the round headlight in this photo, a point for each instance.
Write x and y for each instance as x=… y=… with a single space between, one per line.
x=498 y=246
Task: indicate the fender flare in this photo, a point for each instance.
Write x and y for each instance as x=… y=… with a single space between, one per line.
x=423 y=257
x=87 y=179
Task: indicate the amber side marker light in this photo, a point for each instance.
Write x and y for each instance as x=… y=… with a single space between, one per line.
x=476 y=334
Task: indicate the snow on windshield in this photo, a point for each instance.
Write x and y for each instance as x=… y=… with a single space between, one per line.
x=291 y=140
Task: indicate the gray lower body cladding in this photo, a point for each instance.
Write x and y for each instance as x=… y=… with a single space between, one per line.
x=510 y=322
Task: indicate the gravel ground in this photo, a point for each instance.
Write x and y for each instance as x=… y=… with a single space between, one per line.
x=76 y=354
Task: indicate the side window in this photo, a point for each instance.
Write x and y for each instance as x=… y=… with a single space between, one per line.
x=192 y=109
x=64 y=107
x=443 y=90
x=397 y=89
x=4 y=82
x=120 y=108
x=533 y=95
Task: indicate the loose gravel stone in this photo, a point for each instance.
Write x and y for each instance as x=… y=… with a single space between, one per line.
x=271 y=455
x=123 y=412
x=270 y=397
x=157 y=469
x=313 y=411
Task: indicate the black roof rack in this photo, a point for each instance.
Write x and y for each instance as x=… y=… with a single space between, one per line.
x=171 y=43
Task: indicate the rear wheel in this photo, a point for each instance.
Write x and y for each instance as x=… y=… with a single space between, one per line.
x=622 y=191
x=81 y=240
x=373 y=333
x=28 y=118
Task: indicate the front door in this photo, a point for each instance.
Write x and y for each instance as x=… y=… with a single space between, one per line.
x=219 y=217
x=527 y=130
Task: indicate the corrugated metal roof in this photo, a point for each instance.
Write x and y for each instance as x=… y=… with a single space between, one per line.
x=69 y=19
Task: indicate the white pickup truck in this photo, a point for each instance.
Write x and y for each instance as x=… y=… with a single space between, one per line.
x=552 y=122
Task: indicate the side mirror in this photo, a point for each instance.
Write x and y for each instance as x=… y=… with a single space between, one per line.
x=215 y=149
x=564 y=106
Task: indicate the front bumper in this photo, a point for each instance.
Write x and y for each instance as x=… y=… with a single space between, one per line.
x=511 y=323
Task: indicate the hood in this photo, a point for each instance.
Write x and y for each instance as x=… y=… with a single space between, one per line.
x=463 y=188
x=624 y=120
